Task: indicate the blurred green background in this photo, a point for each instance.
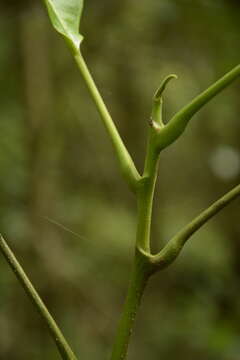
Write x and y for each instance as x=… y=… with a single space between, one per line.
x=57 y=165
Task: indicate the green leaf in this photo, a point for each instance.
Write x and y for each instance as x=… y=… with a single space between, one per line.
x=65 y=16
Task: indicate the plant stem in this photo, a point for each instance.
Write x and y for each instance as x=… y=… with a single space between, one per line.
x=139 y=277
x=172 y=249
x=176 y=126
x=61 y=343
x=126 y=163
x=142 y=268
x=185 y=114
x=145 y=196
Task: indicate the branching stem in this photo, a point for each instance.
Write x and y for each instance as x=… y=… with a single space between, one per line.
x=66 y=22
x=142 y=267
x=152 y=263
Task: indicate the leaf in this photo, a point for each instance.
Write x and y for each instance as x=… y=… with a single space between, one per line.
x=65 y=16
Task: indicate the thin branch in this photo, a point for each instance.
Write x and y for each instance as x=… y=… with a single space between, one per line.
x=61 y=343
x=169 y=253
x=126 y=163
x=178 y=123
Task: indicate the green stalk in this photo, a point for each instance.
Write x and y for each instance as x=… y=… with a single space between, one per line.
x=147 y=183
x=138 y=281
x=145 y=196
x=172 y=249
x=61 y=343
x=176 y=126
x=126 y=163
x=142 y=267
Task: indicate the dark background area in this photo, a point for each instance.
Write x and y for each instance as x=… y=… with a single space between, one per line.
x=57 y=165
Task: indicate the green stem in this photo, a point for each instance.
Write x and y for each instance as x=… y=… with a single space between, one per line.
x=142 y=268
x=146 y=194
x=178 y=123
x=126 y=163
x=139 y=277
x=61 y=343
x=169 y=253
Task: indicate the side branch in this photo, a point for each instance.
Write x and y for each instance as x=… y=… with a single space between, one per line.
x=170 y=252
x=126 y=163
x=178 y=123
x=61 y=343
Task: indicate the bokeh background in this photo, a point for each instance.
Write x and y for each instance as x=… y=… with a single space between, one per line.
x=57 y=166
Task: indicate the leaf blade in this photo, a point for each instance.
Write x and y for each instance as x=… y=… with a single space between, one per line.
x=65 y=16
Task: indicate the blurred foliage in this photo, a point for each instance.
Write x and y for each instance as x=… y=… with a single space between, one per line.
x=57 y=165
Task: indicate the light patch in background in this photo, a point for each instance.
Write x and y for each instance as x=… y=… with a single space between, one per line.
x=225 y=162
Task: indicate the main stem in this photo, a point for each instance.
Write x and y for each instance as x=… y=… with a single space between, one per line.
x=146 y=194
x=139 y=277
x=142 y=269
